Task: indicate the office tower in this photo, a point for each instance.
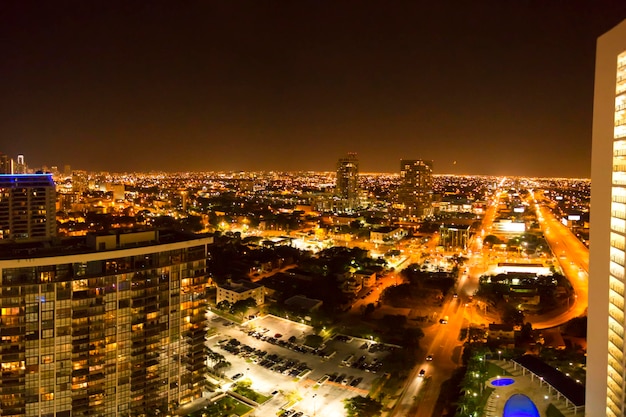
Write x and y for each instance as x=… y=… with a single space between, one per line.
x=118 y=191
x=67 y=170
x=20 y=167
x=27 y=207
x=606 y=363
x=184 y=197
x=347 y=185
x=416 y=187
x=6 y=164
x=80 y=181
x=110 y=326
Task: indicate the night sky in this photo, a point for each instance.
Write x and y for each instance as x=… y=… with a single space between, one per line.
x=481 y=87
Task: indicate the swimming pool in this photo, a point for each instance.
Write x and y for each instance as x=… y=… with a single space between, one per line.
x=519 y=405
x=502 y=382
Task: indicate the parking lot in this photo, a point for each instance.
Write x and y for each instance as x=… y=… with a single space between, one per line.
x=262 y=352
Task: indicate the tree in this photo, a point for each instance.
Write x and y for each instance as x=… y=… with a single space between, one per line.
x=512 y=315
x=192 y=223
x=577 y=327
x=362 y=407
x=355 y=224
x=412 y=336
x=393 y=321
x=293 y=396
x=369 y=309
x=222 y=364
x=241 y=306
x=491 y=240
x=526 y=333
x=214 y=358
x=313 y=340
x=223 y=305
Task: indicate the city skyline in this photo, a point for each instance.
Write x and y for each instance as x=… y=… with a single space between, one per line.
x=491 y=89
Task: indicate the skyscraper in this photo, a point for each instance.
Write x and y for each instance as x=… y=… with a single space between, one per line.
x=27 y=207
x=347 y=185
x=111 y=325
x=6 y=164
x=20 y=167
x=606 y=360
x=416 y=187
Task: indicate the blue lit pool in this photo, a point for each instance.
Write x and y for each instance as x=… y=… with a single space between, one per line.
x=502 y=382
x=519 y=405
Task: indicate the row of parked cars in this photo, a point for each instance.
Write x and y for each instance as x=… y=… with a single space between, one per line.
x=345 y=379
x=272 y=361
x=366 y=294
x=278 y=340
x=284 y=366
x=293 y=413
x=373 y=366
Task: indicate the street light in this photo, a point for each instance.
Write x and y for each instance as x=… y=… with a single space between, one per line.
x=499 y=354
x=314 y=410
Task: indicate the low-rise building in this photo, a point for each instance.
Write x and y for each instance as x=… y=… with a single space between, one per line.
x=387 y=234
x=303 y=303
x=236 y=291
x=501 y=333
x=454 y=235
x=366 y=278
x=351 y=286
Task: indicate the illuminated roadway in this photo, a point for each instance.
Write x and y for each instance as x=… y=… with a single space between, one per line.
x=573 y=257
x=419 y=395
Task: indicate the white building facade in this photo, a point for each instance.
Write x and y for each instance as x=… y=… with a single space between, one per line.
x=238 y=291
x=606 y=363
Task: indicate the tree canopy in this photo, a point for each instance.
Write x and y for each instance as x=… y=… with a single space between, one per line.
x=241 y=306
x=362 y=407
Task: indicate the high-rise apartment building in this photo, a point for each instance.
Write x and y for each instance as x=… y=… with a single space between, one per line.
x=27 y=207
x=20 y=166
x=606 y=360
x=347 y=183
x=416 y=187
x=110 y=325
x=80 y=181
x=6 y=164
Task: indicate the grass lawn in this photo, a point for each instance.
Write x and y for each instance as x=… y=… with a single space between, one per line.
x=225 y=407
x=486 y=393
x=247 y=392
x=314 y=341
x=552 y=411
x=494 y=370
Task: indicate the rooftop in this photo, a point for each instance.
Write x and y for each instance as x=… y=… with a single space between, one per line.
x=86 y=244
x=572 y=390
x=26 y=180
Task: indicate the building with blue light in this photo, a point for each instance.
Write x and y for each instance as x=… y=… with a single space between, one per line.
x=27 y=207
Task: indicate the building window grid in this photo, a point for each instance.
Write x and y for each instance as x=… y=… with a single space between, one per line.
x=615 y=386
x=615 y=283
x=617 y=256
x=616 y=327
x=66 y=345
x=616 y=313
